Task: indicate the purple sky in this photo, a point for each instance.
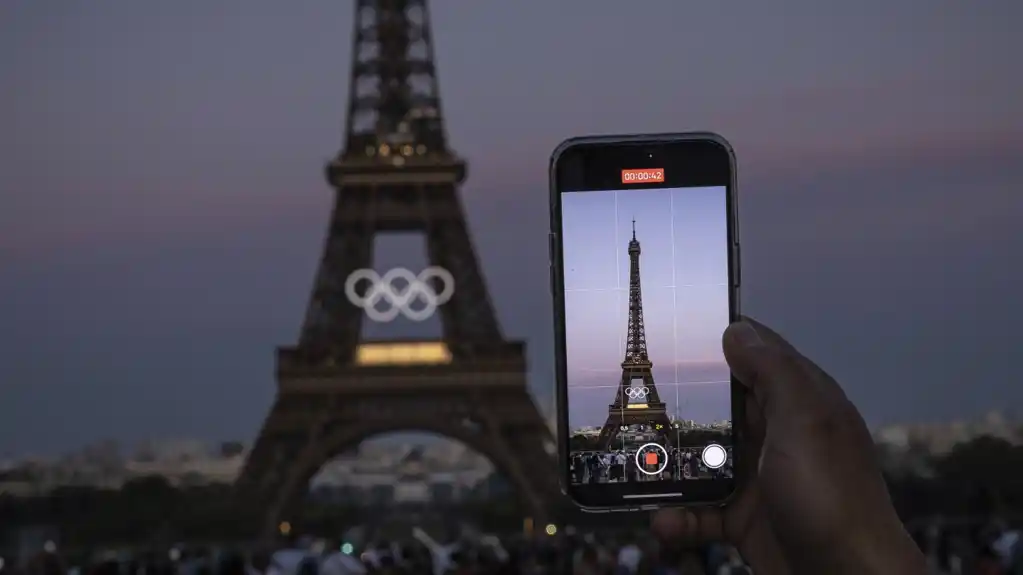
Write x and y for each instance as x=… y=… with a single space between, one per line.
x=162 y=203
x=684 y=270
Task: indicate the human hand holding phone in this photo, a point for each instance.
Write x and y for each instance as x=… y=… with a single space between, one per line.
x=816 y=501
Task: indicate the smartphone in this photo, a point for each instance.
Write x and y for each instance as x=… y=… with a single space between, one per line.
x=644 y=259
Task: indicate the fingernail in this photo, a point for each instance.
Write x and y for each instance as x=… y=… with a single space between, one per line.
x=745 y=334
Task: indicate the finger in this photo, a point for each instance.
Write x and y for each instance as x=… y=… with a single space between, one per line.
x=762 y=367
x=775 y=373
x=710 y=524
x=774 y=338
x=829 y=393
x=769 y=336
x=676 y=527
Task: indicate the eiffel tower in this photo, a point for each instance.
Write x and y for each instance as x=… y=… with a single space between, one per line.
x=396 y=173
x=648 y=408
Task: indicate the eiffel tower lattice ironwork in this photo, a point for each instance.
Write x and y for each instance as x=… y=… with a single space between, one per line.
x=396 y=173
x=637 y=369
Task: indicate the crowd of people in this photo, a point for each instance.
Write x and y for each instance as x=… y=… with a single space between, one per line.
x=564 y=553
x=621 y=465
x=992 y=548
x=982 y=548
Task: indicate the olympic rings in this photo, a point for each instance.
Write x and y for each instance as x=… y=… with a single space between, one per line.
x=399 y=299
x=637 y=392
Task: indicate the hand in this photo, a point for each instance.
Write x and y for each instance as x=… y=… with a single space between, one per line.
x=813 y=500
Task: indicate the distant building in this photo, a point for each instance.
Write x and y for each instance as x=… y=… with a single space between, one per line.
x=405 y=475
x=907 y=449
x=376 y=473
x=189 y=472
x=19 y=483
x=940 y=438
x=587 y=431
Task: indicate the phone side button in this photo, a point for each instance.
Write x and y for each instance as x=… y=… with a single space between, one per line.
x=737 y=265
x=550 y=249
x=550 y=275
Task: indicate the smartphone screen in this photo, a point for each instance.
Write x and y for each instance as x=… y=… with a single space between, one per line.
x=644 y=270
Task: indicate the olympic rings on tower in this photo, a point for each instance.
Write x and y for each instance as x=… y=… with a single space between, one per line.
x=637 y=392
x=399 y=299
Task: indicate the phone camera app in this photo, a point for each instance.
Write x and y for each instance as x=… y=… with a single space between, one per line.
x=646 y=301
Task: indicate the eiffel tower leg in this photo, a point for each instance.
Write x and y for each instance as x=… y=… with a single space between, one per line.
x=331 y=320
x=267 y=455
x=613 y=423
x=291 y=487
x=294 y=423
x=522 y=445
x=607 y=434
x=469 y=315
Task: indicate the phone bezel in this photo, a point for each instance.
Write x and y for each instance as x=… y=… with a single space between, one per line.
x=594 y=163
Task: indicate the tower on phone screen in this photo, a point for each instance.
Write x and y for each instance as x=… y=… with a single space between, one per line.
x=646 y=301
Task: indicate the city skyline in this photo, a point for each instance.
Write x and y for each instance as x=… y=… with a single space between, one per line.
x=164 y=204
x=683 y=263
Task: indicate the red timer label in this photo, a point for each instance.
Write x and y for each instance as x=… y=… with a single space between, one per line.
x=643 y=176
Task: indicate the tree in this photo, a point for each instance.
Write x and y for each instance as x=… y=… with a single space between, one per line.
x=231 y=448
x=985 y=473
x=581 y=442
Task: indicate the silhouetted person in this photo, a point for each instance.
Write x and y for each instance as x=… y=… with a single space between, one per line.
x=260 y=561
x=231 y=564
x=308 y=567
x=813 y=500
x=733 y=564
x=988 y=562
x=588 y=563
x=690 y=564
x=106 y=568
x=46 y=564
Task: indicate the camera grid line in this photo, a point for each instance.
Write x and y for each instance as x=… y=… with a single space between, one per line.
x=674 y=298
x=621 y=289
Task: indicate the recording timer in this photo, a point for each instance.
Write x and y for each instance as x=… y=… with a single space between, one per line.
x=643 y=176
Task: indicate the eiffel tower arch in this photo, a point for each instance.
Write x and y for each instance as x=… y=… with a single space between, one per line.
x=396 y=173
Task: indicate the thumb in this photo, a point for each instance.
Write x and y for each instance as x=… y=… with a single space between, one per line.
x=770 y=368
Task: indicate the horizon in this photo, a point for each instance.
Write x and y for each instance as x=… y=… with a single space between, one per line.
x=417 y=438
